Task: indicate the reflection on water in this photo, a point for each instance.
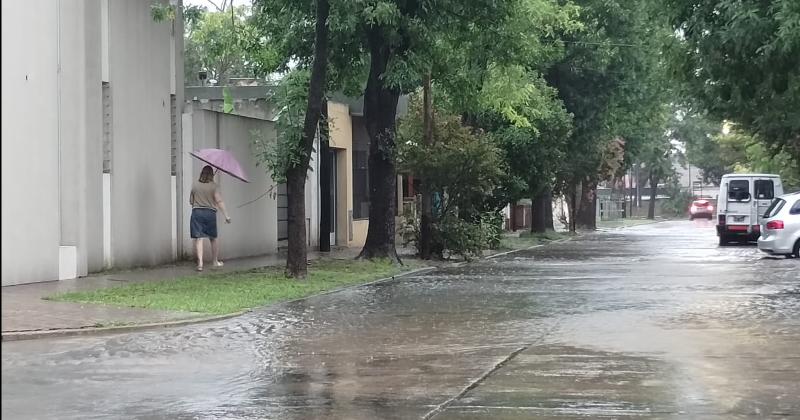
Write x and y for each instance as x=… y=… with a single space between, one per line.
x=663 y=295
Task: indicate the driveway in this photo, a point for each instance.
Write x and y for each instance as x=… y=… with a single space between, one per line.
x=654 y=321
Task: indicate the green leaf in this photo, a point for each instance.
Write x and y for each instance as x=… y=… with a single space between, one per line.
x=228 y=100
x=162 y=12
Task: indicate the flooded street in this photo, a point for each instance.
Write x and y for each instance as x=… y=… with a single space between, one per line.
x=654 y=321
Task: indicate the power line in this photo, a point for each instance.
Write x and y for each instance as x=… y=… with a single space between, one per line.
x=613 y=44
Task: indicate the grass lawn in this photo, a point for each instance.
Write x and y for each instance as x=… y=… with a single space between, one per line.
x=224 y=293
x=527 y=239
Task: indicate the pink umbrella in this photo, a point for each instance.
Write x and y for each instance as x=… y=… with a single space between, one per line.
x=222 y=160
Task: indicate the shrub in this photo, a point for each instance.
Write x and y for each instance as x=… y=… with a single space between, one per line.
x=462 y=168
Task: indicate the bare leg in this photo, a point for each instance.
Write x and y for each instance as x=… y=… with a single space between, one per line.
x=215 y=252
x=198 y=249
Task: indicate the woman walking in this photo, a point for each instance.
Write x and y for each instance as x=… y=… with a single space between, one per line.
x=206 y=200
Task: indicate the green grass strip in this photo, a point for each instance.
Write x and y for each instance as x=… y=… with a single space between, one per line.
x=230 y=292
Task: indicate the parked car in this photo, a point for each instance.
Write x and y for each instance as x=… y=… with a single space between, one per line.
x=701 y=208
x=780 y=233
x=743 y=199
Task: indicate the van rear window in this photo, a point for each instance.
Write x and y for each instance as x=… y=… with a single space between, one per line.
x=739 y=190
x=765 y=189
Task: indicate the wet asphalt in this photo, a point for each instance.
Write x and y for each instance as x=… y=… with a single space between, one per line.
x=655 y=321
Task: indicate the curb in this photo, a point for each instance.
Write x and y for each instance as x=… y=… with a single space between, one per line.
x=500 y=254
x=652 y=222
x=70 y=332
x=355 y=286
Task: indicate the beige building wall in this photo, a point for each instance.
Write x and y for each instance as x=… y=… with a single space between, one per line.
x=349 y=233
x=359 y=232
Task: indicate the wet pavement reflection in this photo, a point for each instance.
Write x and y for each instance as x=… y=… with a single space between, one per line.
x=651 y=322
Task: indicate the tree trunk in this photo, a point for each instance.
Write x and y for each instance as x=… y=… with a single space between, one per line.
x=572 y=206
x=426 y=219
x=639 y=182
x=548 y=221
x=539 y=213
x=297 y=255
x=587 y=210
x=380 y=107
x=651 y=211
x=629 y=193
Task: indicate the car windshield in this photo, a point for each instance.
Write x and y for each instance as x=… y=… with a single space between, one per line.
x=701 y=203
x=774 y=208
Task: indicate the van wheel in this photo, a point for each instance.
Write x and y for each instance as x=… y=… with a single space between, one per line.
x=723 y=240
x=796 y=252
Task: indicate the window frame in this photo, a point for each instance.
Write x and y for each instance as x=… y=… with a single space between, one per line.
x=360 y=145
x=795 y=208
x=758 y=182
x=730 y=191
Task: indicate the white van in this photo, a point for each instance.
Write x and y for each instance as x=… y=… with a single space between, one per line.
x=743 y=199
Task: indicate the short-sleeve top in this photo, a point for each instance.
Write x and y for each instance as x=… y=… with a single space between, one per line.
x=202 y=195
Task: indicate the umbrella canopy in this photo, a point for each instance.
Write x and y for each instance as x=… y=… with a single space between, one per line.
x=222 y=160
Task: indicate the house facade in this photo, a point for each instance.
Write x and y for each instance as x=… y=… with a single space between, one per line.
x=88 y=131
x=96 y=141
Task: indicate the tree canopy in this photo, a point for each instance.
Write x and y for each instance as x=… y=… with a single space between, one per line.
x=741 y=60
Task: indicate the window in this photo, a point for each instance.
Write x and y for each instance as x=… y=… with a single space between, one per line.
x=108 y=119
x=795 y=208
x=411 y=186
x=283 y=212
x=739 y=190
x=174 y=133
x=360 y=170
x=774 y=208
x=765 y=189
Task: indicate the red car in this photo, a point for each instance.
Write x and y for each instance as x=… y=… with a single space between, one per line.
x=701 y=208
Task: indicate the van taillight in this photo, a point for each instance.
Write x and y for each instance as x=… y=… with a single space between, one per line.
x=775 y=224
x=721 y=219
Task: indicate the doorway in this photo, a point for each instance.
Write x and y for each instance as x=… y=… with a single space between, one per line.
x=333 y=193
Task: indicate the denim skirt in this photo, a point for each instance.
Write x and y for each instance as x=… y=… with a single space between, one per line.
x=203 y=223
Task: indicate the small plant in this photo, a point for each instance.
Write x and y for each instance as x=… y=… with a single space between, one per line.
x=678 y=201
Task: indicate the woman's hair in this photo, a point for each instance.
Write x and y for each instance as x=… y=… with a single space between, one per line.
x=207 y=174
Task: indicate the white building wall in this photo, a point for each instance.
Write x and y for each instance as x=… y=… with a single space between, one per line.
x=92 y=239
x=312 y=199
x=30 y=142
x=252 y=206
x=139 y=76
x=80 y=119
x=62 y=216
x=55 y=57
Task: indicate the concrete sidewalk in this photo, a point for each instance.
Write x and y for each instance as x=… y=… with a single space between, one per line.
x=25 y=310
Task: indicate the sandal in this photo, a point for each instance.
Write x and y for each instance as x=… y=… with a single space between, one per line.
x=218 y=264
x=199 y=268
